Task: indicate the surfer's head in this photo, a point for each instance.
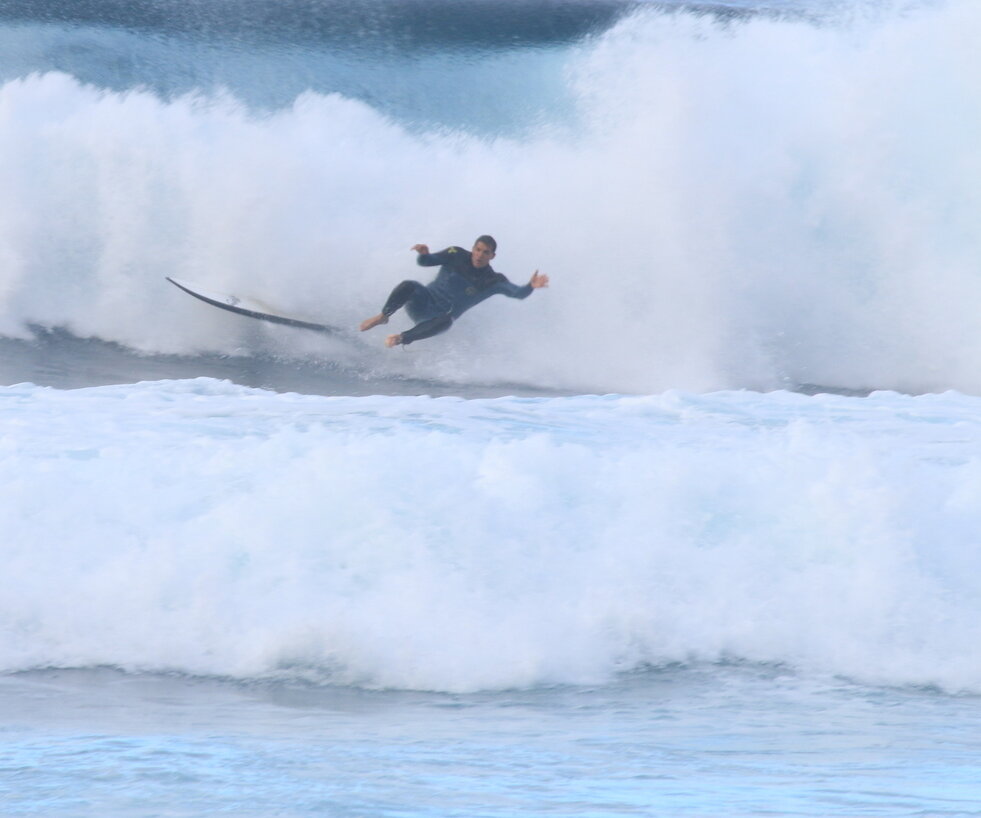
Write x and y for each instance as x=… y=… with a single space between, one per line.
x=484 y=249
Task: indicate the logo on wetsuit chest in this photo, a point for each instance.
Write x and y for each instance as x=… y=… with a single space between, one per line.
x=471 y=290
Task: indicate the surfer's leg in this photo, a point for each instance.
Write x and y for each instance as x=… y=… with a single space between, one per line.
x=425 y=329
x=403 y=293
x=398 y=298
x=374 y=321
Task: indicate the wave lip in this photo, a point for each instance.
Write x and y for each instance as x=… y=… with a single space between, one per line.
x=444 y=544
x=343 y=23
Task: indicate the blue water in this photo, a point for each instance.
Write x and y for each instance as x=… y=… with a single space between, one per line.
x=694 y=741
x=692 y=532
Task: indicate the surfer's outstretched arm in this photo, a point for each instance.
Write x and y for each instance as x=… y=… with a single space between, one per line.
x=512 y=290
x=427 y=259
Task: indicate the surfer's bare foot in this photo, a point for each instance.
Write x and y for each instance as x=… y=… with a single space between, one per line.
x=374 y=321
x=393 y=340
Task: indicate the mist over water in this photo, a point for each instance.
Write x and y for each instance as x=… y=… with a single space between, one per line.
x=750 y=201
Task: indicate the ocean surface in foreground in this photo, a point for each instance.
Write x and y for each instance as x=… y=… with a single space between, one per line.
x=696 y=741
x=282 y=604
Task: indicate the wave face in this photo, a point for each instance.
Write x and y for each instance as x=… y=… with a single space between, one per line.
x=418 y=61
x=721 y=201
x=444 y=544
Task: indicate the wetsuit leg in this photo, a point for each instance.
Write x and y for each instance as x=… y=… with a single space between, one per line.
x=401 y=294
x=427 y=329
x=432 y=318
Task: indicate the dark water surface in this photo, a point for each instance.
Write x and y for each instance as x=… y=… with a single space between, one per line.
x=58 y=359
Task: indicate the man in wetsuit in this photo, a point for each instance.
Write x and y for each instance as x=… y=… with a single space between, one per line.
x=463 y=281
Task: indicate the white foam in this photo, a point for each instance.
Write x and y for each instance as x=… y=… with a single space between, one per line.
x=458 y=545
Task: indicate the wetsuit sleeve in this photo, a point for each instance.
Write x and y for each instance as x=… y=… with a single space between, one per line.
x=440 y=258
x=512 y=290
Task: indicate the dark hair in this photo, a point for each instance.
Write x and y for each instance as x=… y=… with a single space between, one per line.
x=489 y=241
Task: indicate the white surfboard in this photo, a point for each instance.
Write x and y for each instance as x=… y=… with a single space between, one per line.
x=250 y=308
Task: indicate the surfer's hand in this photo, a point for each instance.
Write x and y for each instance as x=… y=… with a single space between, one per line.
x=421 y=249
x=393 y=340
x=538 y=280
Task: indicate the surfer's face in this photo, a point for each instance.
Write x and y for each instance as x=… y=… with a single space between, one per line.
x=481 y=255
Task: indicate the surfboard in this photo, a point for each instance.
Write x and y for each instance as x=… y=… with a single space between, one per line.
x=250 y=308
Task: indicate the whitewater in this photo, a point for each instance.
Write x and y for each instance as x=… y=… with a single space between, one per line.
x=462 y=545
x=694 y=531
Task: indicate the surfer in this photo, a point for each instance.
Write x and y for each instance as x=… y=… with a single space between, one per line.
x=463 y=281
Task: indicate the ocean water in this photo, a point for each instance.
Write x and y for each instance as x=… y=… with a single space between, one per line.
x=694 y=531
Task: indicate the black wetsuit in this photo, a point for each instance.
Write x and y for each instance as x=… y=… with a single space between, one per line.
x=458 y=286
